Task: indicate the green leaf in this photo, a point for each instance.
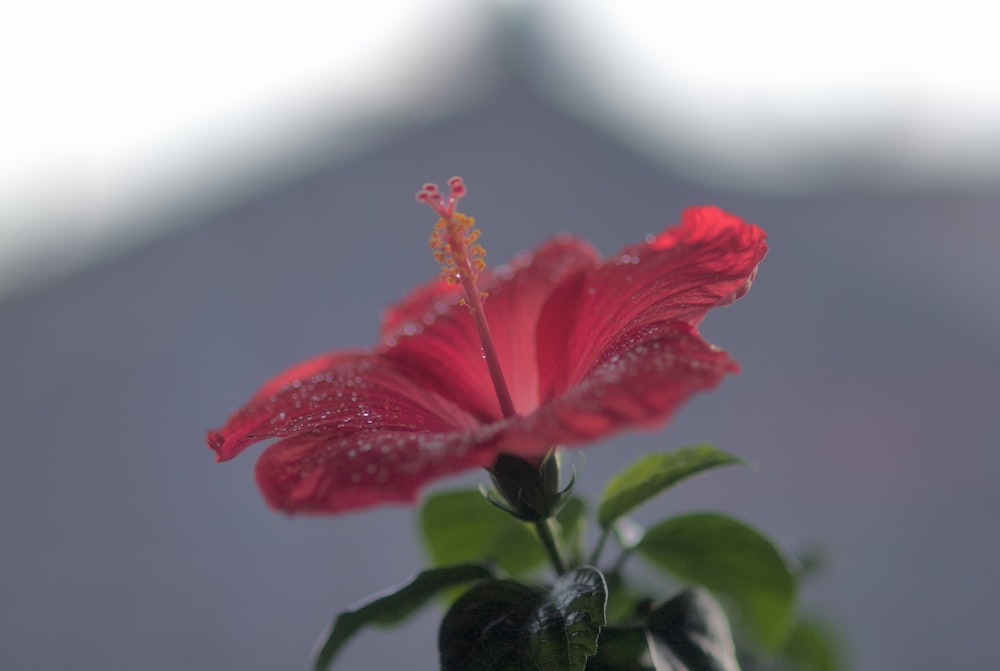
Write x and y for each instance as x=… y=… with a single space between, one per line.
x=621 y=649
x=732 y=559
x=503 y=625
x=654 y=473
x=815 y=646
x=627 y=605
x=462 y=526
x=564 y=629
x=691 y=633
x=393 y=606
x=484 y=628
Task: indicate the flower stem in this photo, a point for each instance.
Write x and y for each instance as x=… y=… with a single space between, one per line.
x=548 y=540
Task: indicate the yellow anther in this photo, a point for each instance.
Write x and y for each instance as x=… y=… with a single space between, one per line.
x=453 y=242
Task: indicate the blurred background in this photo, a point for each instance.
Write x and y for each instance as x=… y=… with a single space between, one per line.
x=194 y=196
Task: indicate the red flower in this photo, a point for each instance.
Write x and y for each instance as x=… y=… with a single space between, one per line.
x=586 y=347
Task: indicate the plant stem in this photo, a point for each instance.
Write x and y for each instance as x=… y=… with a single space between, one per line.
x=548 y=540
x=626 y=553
x=596 y=554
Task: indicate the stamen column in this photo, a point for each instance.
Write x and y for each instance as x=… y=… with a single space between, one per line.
x=453 y=242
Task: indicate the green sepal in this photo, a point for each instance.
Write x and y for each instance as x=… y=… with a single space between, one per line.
x=528 y=492
x=503 y=625
x=461 y=526
x=654 y=473
x=394 y=605
x=733 y=560
x=691 y=633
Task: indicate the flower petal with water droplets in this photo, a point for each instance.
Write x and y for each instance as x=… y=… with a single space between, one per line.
x=643 y=378
x=338 y=393
x=708 y=260
x=330 y=472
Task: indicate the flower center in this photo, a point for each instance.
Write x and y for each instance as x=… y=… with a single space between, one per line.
x=454 y=244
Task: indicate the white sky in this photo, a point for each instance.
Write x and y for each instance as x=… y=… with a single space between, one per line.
x=762 y=92
x=110 y=108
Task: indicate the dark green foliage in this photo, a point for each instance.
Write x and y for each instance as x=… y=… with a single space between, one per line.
x=731 y=559
x=462 y=526
x=506 y=626
x=691 y=633
x=395 y=606
x=587 y=621
x=655 y=473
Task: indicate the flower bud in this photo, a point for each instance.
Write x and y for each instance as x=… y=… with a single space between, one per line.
x=530 y=492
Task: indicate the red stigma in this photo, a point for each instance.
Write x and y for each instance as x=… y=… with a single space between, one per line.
x=431 y=195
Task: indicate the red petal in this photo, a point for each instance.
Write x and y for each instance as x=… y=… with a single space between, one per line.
x=514 y=306
x=604 y=348
x=708 y=260
x=428 y=299
x=328 y=473
x=438 y=346
x=338 y=394
x=642 y=378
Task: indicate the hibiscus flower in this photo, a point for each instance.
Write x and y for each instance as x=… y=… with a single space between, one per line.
x=565 y=349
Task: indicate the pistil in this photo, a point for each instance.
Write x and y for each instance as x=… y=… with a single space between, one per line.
x=453 y=242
